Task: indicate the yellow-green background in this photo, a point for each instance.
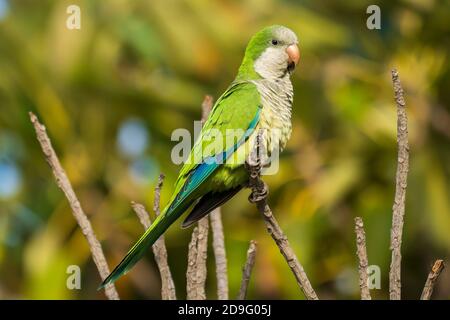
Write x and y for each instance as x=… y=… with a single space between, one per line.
x=147 y=65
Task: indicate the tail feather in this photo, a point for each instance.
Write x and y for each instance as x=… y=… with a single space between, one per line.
x=208 y=203
x=158 y=227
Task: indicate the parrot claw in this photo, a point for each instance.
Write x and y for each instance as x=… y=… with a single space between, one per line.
x=258 y=195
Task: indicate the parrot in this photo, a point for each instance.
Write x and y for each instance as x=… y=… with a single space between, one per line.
x=258 y=100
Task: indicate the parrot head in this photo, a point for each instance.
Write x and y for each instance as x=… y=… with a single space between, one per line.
x=271 y=53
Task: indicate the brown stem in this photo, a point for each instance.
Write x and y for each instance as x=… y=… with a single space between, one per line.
x=217 y=229
x=398 y=210
x=431 y=280
x=159 y=247
x=197 y=254
x=196 y=270
x=219 y=254
x=259 y=197
x=247 y=270
x=64 y=184
x=361 y=252
x=207 y=106
x=157 y=200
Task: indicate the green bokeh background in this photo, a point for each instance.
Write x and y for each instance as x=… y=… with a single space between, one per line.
x=146 y=65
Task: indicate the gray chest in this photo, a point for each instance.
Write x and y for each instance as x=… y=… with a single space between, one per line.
x=277 y=97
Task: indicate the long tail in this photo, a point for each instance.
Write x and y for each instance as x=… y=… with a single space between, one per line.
x=158 y=227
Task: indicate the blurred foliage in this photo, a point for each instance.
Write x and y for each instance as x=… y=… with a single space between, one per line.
x=111 y=94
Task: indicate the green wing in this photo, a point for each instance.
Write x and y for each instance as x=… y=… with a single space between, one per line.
x=237 y=108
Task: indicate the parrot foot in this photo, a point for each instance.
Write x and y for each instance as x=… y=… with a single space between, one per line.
x=259 y=194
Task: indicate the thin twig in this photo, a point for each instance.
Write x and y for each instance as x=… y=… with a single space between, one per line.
x=247 y=270
x=157 y=200
x=259 y=197
x=361 y=252
x=142 y=214
x=197 y=254
x=159 y=247
x=219 y=254
x=398 y=210
x=207 y=105
x=217 y=229
x=64 y=184
x=191 y=272
x=431 y=280
x=196 y=270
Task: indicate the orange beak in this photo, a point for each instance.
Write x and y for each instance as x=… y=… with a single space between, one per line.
x=293 y=53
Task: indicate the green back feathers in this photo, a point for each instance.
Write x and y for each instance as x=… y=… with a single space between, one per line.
x=234 y=110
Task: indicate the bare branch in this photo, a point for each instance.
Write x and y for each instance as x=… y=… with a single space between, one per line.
x=197 y=254
x=142 y=214
x=196 y=270
x=259 y=197
x=361 y=252
x=247 y=270
x=219 y=254
x=217 y=228
x=191 y=272
x=207 y=105
x=157 y=200
x=64 y=184
x=159 y=247
x=398 y=210
x=431 y=280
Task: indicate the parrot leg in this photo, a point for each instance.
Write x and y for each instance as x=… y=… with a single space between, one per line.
x=259 y=194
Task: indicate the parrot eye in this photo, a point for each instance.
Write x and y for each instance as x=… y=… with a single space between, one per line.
x=274 y=42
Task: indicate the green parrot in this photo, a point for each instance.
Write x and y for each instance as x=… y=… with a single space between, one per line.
x=258 y=100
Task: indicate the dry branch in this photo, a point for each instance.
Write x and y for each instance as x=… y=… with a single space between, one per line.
x=207 y=105
x=219 y=254
x=197 y=254
x=361 y=252
x=217 y=229
x=259 y=197
x=247 y=270
x=196 y=269
x=431 y=280
x=157 y=200
x=398 y=210
x=142 y=214
x=64 y=184
x=159 y=247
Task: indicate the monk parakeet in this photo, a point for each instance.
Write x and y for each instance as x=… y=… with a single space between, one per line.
x=258 y=100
